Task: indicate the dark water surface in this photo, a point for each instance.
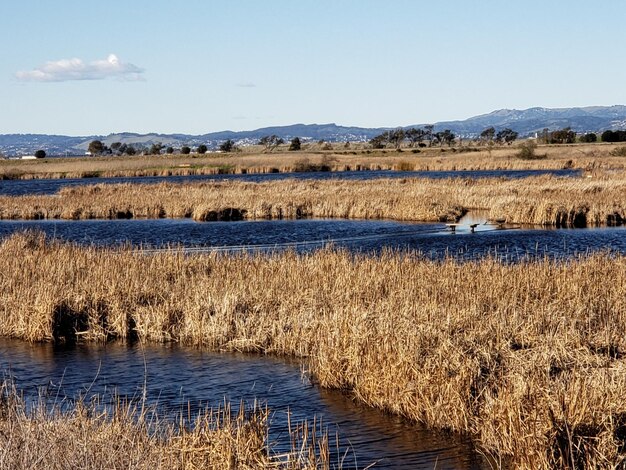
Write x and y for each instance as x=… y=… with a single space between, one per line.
x=176 y=376
x=433 y=240
x=51 y=186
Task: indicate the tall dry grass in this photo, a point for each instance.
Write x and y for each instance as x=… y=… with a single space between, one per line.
x=130 y=436
x=253 y=160
x=529 y=358
x=543 y=200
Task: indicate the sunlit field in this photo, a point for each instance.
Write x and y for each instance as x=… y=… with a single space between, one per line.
x=341 y=158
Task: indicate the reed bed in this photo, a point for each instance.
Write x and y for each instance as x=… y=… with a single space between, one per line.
x=529 y=358
x=542 y=200
x=131 y=436
x=581 y=156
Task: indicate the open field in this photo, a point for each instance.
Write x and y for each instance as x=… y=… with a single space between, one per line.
x=529 y=358
x=253 y=160
x=543 y=200
x=130 y=436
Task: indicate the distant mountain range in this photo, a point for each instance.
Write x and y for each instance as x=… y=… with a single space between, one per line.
x=526 y=122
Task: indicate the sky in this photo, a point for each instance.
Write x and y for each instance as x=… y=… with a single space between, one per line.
x=83 y=67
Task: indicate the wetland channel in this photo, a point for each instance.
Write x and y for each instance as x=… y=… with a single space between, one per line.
x=177 y=376
x=51 y=186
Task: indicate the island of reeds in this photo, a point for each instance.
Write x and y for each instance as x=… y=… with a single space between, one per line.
x=581 y=201
x=529 y=358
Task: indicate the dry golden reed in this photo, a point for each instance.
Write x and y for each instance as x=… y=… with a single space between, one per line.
x=131 y=436
x=253 y=160
x=530 y=358
x=541 y=200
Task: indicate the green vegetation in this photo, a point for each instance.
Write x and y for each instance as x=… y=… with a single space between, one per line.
x=527 y=151
x=155 y=149
x=506 y=136
x=560 y=136
x=96 y=147
x=228 y=146
x=589 y=138
x=295 y=144
x=614 y=136
x=270 y=142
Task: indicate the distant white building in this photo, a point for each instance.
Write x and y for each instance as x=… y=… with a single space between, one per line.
x=28 y=157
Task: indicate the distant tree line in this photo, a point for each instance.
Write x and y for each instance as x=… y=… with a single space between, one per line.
x=414 y=137
x=396 y=138
x=568 y=136
x=613 y=136
x=97 y=147
x=559 y=136
x=503 y=136
x=270 y=142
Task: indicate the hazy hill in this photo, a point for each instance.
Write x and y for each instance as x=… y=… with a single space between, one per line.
x=526 y=122
x=529 y=121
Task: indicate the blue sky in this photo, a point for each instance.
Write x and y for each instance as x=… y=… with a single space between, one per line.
x=81 y=67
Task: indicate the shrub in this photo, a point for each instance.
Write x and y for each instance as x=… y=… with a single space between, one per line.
x=295 y=144
x=589 y=138
x=527 y=151
x=618 y=152
x=613 y=136
x=228 y=146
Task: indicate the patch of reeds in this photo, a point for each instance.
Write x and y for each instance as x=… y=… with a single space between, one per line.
x=528 y=151
x=132 y=436
x=529 y=358
x=543 y=200
x=618 y=152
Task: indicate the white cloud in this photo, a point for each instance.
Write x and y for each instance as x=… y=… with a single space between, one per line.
x=246 y=85
x=75 y=69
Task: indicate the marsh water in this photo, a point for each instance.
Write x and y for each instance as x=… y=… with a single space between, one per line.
x=51 y=186
x=178 y=377
x=432 y=240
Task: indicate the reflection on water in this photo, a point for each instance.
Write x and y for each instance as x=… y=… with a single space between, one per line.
x=51 y=186
x=176 y=376
x=433 y=240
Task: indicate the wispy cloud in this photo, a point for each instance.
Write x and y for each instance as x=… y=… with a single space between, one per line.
x=75 y=69
x=246 y=85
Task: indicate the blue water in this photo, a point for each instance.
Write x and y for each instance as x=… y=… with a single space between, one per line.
x=433 y=240
x=179 y=379
x=51 y=186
